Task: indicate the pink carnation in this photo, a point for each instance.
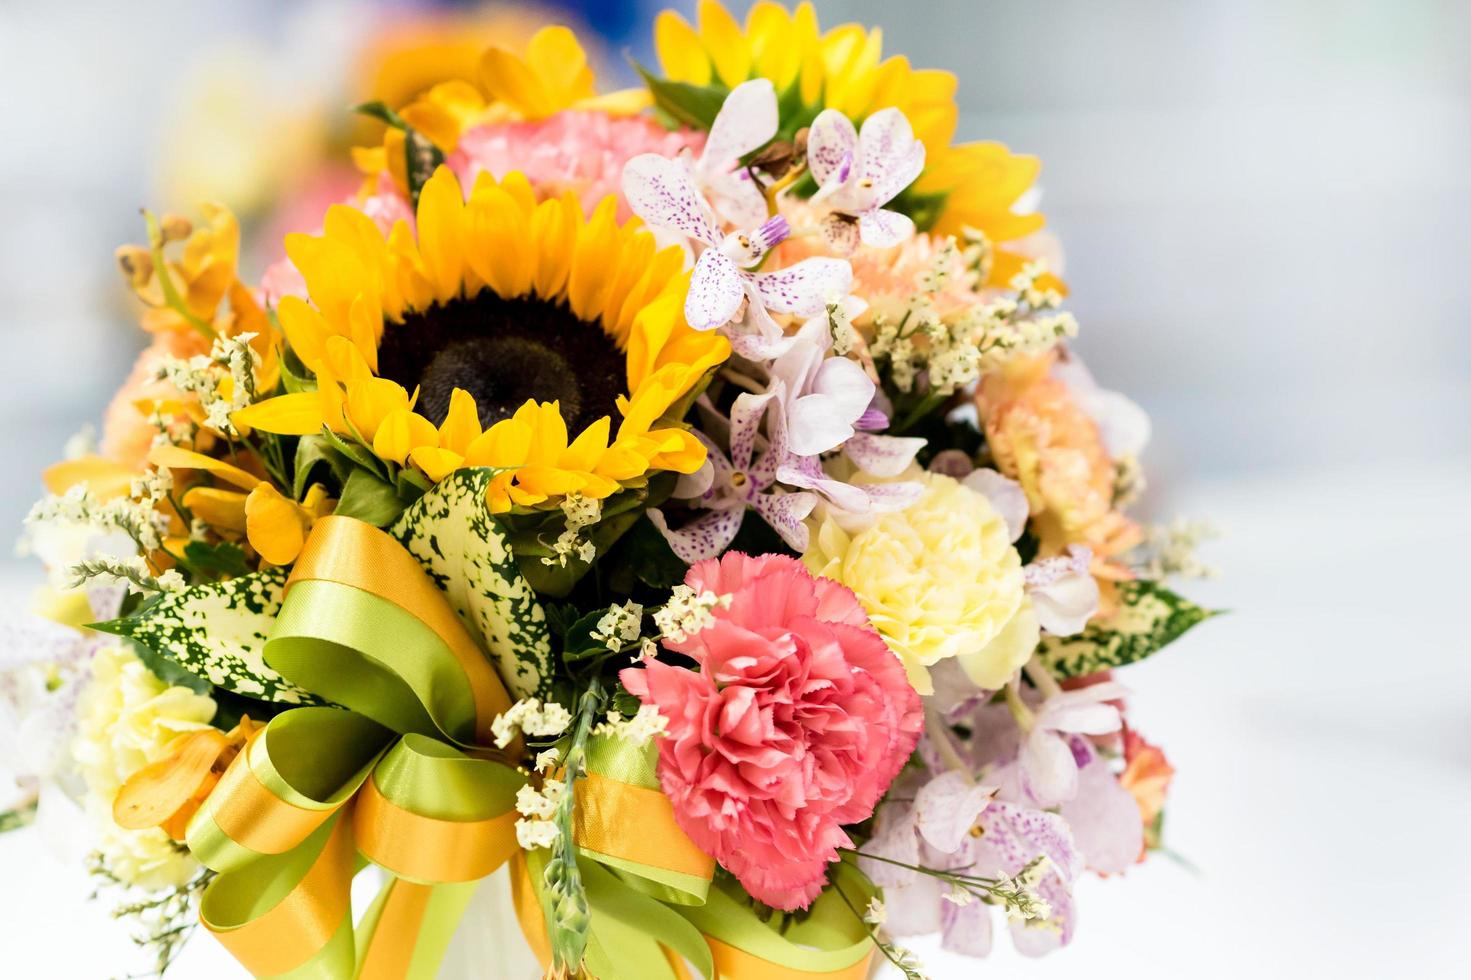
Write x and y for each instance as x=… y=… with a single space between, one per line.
x=581 y=152
x=795 y=723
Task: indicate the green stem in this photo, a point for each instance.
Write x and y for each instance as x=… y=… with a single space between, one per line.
x=166 y=282
x=567 y=917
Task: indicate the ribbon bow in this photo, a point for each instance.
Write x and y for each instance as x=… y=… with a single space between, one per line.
x=406 y=779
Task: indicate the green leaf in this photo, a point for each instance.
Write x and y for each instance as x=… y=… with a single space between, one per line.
x=311 y=450
x=451 y=532
x=421 y=159
x=356 y=452
x=370 y=499
x=644 y=550
x=379 y=110
x=1150 y=617
x=21 y=816
x=295 y=377
x=217 y=632
x=168 y=671
x=690 y=105
x=221 y=559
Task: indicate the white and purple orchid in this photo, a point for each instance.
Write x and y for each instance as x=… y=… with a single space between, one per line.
x=662 y=192
x=858 y=172
x=727 y=485
x=746 y=122
x=1052 y=753
x=1063 y=590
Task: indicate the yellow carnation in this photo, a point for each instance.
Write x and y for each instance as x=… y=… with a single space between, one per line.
x=939 y=580
x=127 y=719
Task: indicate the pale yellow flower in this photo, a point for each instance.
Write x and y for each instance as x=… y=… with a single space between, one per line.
x=127 y=719
x=938 y=580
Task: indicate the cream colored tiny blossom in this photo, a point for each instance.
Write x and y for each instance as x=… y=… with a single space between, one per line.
x=876 y=914
x=531 y=717
x=1169 y=550
x=619 y=625
x=151 y=485
x=546 y=760
x=959 y=896
x=553 y=719
x=647 y=723
x=647 y=650
x=171 y=581
x=580 y=513
x=532 y=834
x=840 y=322
x=687 y=612
x=543 y=804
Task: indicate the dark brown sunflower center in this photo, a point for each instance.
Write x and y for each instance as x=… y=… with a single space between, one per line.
x=504 y=352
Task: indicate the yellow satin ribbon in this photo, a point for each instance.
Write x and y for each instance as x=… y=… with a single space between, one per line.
x=427 y=849
x=355 y=553
x=636 y=824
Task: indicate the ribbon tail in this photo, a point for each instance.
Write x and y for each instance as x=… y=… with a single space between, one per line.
x=404 y=934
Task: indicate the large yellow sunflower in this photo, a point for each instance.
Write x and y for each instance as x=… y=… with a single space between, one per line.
x=976 y=185
x=504 y=333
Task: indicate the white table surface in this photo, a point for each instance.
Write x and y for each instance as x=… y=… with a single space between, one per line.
x=1320 y=732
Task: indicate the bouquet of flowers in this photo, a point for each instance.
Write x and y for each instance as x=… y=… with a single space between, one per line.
x=684 y=498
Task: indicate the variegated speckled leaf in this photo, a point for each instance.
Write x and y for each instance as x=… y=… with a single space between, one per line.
x=218 y=631
x=1149 y=618
x=451 y=532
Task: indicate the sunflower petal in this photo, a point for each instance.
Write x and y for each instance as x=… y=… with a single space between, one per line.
x=275 y=525
x=295 y=414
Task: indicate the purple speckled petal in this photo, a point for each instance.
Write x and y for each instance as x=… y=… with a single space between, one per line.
x=716 y=291
x=785 y=513
x=831 y=143
x=882 y=455
x=888 y=498
x=841 y=234
x=881 y=229
x=746 y=121
x=806 y=472
x=946 y=808
x=1034 y=938
x=704 y=537
x=966 y=929
x=1015 y=834
x=745 y=420
x=1105 y=820
x=804 y=288
x=1006 y=496
x=888 y=154
x=661 y=191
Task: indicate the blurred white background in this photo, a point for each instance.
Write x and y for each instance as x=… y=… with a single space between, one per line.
x=1265 y=209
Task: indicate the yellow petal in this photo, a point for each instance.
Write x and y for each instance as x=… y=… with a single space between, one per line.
x=275 y=526
x=104 y=478
x=441 y=233
x=306 y=331
x=401 y=432
x=371 y=400
x=681 y=55
x=436 y=463
x=296 y=414
x=722 y=38
x=559 y=61
x=176 y=458
x=461 y=423
x=224 y=509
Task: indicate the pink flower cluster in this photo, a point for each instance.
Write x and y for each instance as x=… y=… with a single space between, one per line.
x=796 y=721
x=581 y=152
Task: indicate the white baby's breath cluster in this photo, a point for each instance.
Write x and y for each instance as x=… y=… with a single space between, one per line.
x=1170 y=550
x=137 y=519
x=620 y=625
x=151 y=486
x=876 y=914
x=840 y=322
x=581 y=513
x=1019 y=892
x=646 y=724
x=687 y=612
x=204 y=376
x=953 y=351
x=532 y=717
x=536 y=826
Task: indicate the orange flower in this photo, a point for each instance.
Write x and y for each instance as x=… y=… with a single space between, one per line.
x=1147 y=774
x=167 y=793
x=1042 y=438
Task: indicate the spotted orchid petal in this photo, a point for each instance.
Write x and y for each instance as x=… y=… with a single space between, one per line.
x=662 y=193
x=841 y=233
x=1063 y=591
x=888 y=154
x=745 y=420
x=716 y=291
x=806 y=472
x=747 y=121
x=804 y=288
x=966 y=929
x=880 y=455
x=832 y=144
x=1104 y=819
x=946 y=808
x=704 y=537
x=838 y=393
x=785 y=513
x=881 y=229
